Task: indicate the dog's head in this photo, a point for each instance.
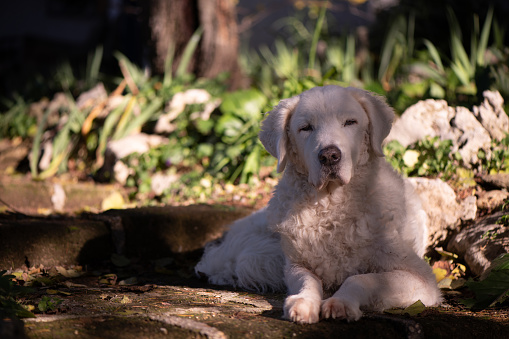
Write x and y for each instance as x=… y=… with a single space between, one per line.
x=323 y=131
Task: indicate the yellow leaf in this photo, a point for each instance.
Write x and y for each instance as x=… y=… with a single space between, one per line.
x=113 y=201
x=445 y=254
x=125 y=300
x=43 y=211
x=440 y=273
x=459 y=269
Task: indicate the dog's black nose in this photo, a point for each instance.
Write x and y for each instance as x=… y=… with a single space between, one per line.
x=329 y=155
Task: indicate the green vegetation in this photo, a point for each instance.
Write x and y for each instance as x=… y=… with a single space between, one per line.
x=9 y=293
x=428 y=157
x=498 y=160
x=221 y=144
x=494 y=289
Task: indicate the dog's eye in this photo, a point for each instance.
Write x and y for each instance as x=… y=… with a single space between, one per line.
x=350 y=122
x=306 y=128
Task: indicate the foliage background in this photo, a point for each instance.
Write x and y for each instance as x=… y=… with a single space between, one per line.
x=406 y=60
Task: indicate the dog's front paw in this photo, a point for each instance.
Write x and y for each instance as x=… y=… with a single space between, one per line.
x=340 y=309
x=302 y=310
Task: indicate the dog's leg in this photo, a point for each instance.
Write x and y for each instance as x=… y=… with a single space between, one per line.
x=379 y=291
x=304 y=295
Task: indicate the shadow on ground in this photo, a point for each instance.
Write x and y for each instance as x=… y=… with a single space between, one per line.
x=128 y=274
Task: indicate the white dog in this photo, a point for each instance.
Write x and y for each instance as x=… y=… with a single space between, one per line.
x=342 y=225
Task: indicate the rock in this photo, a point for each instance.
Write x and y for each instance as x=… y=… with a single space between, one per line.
x=499 y=180
x=11 y=154
x=444 y=212
x=491 y=200
x=121 y=172
x=492 y=116
x=44 y=197
x=148 y=233
x=179 y=102
x=118 y=149
x=480 y=243
x=432 y=117
x=92 y=97
x=468 y=208
x=162 y=181
x=472 y=136
x=469 y=131
x=58 y=197
x=138 y=143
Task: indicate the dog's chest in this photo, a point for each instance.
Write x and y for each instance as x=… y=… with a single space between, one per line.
x=330 y=242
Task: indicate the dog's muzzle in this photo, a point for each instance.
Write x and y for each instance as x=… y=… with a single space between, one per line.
x=329 y=156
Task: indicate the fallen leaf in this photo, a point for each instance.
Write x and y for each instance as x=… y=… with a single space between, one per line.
x=113 y=201
x=50 y=291
x=129 y=281
x=108 y=279
x=412 y=310
x=439 y=273
x=70 y=273
x=126 y=300
x=447 y=255
x=445 y=283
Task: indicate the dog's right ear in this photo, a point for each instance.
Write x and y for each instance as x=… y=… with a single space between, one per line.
x=273 y=133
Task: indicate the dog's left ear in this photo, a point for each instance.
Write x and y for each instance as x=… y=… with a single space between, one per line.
x=380 y=117
x=273 y=132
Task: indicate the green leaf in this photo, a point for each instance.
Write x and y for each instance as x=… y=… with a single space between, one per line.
x=36 y=145
x=248 y=104
x=434 y=54
x=252 y=165
x=501 y=263
x=229 y=126
x=316 y=36
x=188 y=52
x=412 y=310
x=483 y=42
x=494 y=289
x=49 y=303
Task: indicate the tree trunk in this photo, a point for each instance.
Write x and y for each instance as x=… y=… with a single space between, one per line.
x=172 y=22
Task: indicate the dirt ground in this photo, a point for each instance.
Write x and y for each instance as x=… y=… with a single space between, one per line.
x=176 y=304
x=128 y=273
x=151 y=291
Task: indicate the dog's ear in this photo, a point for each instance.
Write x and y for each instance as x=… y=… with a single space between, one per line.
x=273 y=132
x=380 y=117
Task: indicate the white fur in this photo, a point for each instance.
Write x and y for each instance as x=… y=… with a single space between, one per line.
x=353 y=231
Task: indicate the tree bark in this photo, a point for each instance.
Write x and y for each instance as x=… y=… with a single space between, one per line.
x=173 y=22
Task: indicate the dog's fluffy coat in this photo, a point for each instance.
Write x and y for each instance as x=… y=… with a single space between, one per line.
x=342 y=225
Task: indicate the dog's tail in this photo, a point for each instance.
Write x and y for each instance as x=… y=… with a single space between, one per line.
x=249 y=256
